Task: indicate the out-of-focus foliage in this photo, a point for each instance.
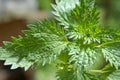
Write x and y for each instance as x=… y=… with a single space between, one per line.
x=45 y=4
x=114 y=19
x=74 y=41
x=47 y=72
x=111 y=7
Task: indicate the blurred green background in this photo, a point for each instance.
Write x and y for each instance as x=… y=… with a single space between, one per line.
x=46 y=73
x=110 y=10
x=45 y=4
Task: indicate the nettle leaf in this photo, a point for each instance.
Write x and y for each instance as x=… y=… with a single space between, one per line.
x=14 y=61
x=4 y=54
x=41 y=44
x=80 y=20
x=61 y=8
x=82 y=56
x=112 y=54
x=73 y=13
x=114 y=75
x=110 y=47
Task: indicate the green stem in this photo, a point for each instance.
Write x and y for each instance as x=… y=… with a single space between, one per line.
x=98 y=71
x=107 y=43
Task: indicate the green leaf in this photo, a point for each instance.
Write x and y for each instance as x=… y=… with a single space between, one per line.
x=4 y=54
x=112 y=56
x=61 y=8
x=73 y=13
x=82 y=56
x=41 y=45
x=114 y=76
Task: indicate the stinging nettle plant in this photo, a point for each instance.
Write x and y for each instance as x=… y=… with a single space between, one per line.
x=74 y=41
